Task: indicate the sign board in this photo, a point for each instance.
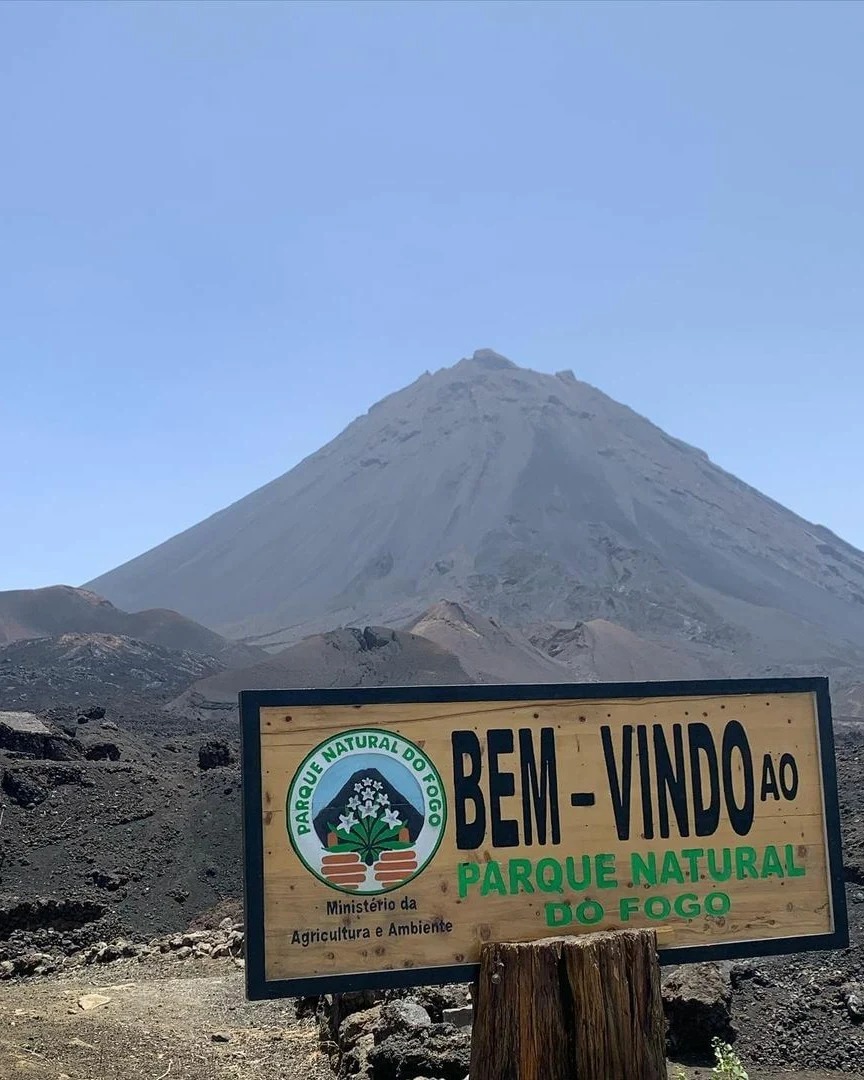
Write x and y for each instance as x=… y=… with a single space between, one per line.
x=390 y=832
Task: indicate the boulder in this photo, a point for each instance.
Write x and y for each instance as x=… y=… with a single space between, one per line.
x=356 y=1026
x=397 y=1017
x=355 y=1062
x=29 y=785
x=697 y=1000
x=435 y=999
x=107 y=879
x=337 y=1006
x=96 y=712
x=23 y=789
x=214 y=754
x=102 y=751
x=853 y=998
x=438 y=1050
x=460 y=1018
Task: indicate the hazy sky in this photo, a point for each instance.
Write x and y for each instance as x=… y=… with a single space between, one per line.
x=227 y=229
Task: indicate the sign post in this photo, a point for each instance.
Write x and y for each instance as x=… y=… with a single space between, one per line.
x=577 y=1008
x=391 y=833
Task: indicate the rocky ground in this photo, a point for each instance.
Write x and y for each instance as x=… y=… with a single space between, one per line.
x=120 y=671
x=155 y=1021
x=161 y=1016
x=109 y=831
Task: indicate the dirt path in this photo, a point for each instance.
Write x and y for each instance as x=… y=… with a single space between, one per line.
x=156 y=1025
x=175 y=1022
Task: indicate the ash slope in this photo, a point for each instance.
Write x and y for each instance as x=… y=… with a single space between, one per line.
x=533 y=499
x=372 y=656
x=448 y=644
x=27 y=614
x=105 y=669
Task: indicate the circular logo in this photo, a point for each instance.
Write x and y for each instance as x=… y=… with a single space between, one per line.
x=365 y=811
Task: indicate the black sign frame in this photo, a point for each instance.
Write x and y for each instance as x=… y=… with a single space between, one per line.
x=252 y=701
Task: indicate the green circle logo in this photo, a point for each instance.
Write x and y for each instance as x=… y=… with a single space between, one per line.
x=366 y=811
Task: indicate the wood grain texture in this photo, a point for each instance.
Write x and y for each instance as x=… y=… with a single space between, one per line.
x=586 y=1008
x=295 y=901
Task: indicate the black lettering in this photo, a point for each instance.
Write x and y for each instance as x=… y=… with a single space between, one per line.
x=540 y=792
x=505 y=831
x=645 y=781
x=619 y=789
x=769 y=780
x=790 y=786
x=671 y=783
x=466 y=789
x=740 y=817
x=706 y=816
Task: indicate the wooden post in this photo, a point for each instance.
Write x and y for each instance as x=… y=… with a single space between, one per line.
x=576 y=1008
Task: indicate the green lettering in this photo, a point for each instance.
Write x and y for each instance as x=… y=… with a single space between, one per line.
x=713 y=872
x=791 y=869
x=589 y=912
x=493 y=880
x=671 y=869
x=627 y=906
x=558 y=914
x=657 y=907
x=330 y=753
x=686 y=905
x=693 y=855
x=606 y=872
x=550 y=876
x=520 y=876
x=578 y=882
x=745 y=863
x=642 y=869
x=467 y=873
x=771 y=865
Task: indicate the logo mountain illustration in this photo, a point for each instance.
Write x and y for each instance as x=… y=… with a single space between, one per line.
x=368 y=816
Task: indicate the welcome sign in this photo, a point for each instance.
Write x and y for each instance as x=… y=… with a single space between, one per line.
x=390 y=832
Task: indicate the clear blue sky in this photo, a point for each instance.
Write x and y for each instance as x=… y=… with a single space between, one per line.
x=226 y=229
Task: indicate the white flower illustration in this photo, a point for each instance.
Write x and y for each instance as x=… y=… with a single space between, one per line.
x=383 y=799
x=358 y=787
x=368 y=809
x=377 y=785
x=392 y=818
x=347 y=822
x=353 y=803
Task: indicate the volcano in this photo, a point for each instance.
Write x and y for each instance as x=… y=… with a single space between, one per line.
x=533 y=500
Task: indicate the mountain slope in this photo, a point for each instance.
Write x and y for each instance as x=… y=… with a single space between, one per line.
x=372 y=656
x=60 y=609
x=487 y=651
x=108 y=669
x=532 y=499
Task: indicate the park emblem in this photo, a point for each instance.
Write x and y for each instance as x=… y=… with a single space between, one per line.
x=366 y=811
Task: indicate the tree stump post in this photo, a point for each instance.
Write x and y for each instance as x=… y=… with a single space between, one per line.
x=575 y=1008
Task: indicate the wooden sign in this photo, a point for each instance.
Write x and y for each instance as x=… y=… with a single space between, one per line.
x=390 y=832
